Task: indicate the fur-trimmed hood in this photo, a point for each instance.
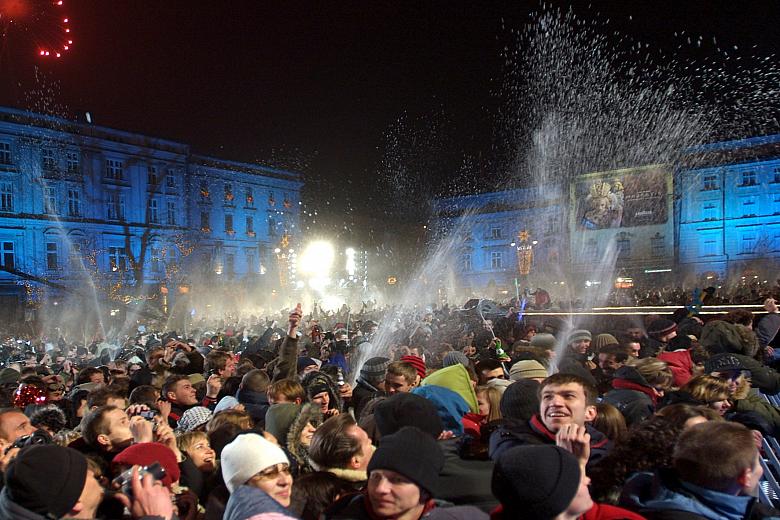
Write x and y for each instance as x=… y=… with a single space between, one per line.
x=314 y=380
x=308 y=413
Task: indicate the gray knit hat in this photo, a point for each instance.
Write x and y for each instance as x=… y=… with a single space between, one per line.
x=454 y=357
x=374 y=369
x=579 y=335
x=543 y=340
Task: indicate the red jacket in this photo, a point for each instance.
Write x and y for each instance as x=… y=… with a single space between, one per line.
x=680 y=363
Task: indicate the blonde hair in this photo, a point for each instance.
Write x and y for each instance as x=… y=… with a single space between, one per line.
x=493 y=396
x=656 y=372
x=187 y=440
x=707 y=389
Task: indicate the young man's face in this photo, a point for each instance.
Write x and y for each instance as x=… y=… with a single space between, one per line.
x=230 y=368
x=580 y=346
x=395 y=384
x=489 y=375
x=366 y=448
x=183 y=393
x=392 y=495
x=565 y=404
x=752 y=477
x=119 y=435
x=322 y=399
x=634 y=348
x=14 y=425
x=608 y=363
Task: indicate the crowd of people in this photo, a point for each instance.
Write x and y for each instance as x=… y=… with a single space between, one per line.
x=429 y=414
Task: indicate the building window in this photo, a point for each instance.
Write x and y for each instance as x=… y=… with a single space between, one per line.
x=75 y=255
x=495 y=232
x=117 y=259
x=50 y=200
x=205 y=224
x=748 y=245
x=623 y=247
x=74 y=202
x=465 y=262
x=658 y=246
x=250 y=225
x=8 y=255
x=74 y=163
x=749 y=206
x=228 y=193
x=170 y=207
x=170 y=178
x=710 y=211
x=708 y=247
x=116 y=206
x=710 y=182
x=6 y=196
x=151 y=176
x=115 y=169
x=230 y=265
x=5 y=152
x=250 y=198
x=271 y=227
x=551 y=226
x=49 y=161
x=749 y=178
x=155 y=259
x=776 y=175
x=229 y=224
x=251 y=261
x=496 y=260
x=154 y=212
x=204 y=191
x=51 y=256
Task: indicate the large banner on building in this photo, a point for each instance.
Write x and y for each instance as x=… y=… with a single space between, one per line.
x=622 y=198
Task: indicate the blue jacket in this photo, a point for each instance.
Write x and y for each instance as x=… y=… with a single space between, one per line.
x=450 y=406
x=251 y=502
x=661 y=495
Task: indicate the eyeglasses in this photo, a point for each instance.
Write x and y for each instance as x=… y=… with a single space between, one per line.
x=273 y=472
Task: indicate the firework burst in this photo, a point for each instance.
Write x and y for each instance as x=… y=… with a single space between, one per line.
x=44 y=25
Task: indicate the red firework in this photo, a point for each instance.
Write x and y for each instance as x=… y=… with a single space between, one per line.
x=44 y=23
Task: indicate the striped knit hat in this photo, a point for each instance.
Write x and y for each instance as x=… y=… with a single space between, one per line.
x=417 y=363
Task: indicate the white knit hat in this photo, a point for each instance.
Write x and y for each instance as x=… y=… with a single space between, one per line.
x=246 y=456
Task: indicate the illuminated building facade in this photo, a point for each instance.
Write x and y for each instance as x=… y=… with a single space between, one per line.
x=714 y=216
x=126 y=212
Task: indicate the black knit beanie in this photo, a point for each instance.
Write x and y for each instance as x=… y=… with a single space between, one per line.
x=520 y=400
x=46 y=479
x=413 y=454
x=405 y=409
x=535 y=481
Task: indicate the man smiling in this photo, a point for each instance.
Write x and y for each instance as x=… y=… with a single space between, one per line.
x=567 y=404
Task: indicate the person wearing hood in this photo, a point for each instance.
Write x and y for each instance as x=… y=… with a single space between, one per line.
x=715 y=474
x=567 y=405
x=462 y=481
x=321 y=389
x=638 y=387
x=293 y=427
x=575 y=359
x=370 y=382
x=403 y=482
x=252 y=393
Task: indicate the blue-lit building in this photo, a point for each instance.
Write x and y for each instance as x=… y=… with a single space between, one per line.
x=504 y=237
x=729 y=211
x=129 y=213
x=712 y=217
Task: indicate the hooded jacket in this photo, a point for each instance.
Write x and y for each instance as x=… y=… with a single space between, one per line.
x=255 y=403
x=662 y=496
x=357 y=507
x=465 y=482
x=449 y=405
x=632 y=395
x=251 y=502
x=515 y=433
x=720 y=336
x=312 y=380
x=680 y=363
x=455 y=378
x=308 y=414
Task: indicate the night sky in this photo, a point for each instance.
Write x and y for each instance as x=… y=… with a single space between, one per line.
x=314 y=86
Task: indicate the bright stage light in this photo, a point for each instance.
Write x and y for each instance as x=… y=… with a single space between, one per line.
x=350 y=253
x=317 y=258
